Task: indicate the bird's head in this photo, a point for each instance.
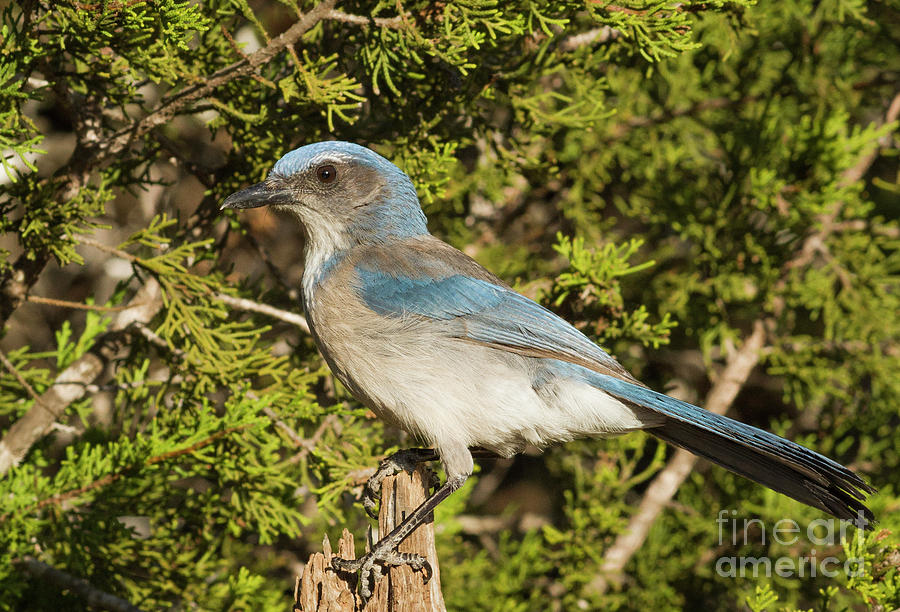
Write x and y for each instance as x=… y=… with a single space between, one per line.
x=342 y=193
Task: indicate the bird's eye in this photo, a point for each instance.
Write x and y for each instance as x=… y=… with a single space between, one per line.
x=326 y=174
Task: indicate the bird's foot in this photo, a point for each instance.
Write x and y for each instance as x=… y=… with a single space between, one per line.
x=401 y=461
x=385 y=552
x=369 y=566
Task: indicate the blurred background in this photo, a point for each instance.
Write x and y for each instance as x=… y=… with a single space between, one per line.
x=708 y=189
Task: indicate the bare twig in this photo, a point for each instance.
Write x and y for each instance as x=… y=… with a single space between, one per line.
x=77 y=380
x=296 y=438
x=134 y=384
x=18 y=376
x=201 y=173
x=153 y=338
x=583 y=39
x=310 y=443
x=276 y=313
x=273 y=269
x=78 y=305
x=815 y=242
x=108 y=249
x=72 y=383
x=382 y=22
x=47 y=408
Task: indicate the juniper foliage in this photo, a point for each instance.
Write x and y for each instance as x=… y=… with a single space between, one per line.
x=667 y=175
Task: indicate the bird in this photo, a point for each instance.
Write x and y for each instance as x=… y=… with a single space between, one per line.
x=433 y=342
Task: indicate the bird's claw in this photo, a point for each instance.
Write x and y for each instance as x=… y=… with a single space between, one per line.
x=369 y=567
x=404 y=460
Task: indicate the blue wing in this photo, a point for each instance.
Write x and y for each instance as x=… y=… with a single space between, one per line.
x=489 y=313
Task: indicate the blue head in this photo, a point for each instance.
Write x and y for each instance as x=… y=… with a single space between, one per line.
x=342 y=193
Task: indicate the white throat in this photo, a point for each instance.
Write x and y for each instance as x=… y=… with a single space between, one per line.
x=324 y=238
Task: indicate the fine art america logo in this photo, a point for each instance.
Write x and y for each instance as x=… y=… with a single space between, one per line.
x=825 y=533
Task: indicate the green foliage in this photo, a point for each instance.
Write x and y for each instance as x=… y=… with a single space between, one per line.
x=592 y=292
x=879 y=584
x=703 y=166
x=762 y=598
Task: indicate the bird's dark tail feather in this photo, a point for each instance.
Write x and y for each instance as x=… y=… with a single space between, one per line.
x=805 y=476
x=753 y=453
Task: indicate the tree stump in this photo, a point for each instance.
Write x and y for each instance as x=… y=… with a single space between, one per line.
x=401 y=589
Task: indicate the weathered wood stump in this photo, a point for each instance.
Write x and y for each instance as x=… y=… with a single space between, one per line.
x=402 y=589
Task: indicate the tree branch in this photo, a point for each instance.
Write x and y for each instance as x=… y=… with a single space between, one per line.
x=94 y=149
x=76 y=380
x=383 y=22
x=36 y=299
x=598 y=35
x=813 y=243
x=72 y=383
x=276 y=313
x=737 y=370
x=176 y=102
x=59 y=498
x=309 y=444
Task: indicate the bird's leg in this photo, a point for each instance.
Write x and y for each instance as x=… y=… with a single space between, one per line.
x=404 y=460
x=385 y=551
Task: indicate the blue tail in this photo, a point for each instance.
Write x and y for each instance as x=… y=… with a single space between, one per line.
x=753 y=453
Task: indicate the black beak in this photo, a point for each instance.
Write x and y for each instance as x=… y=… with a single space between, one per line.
x=256 y=196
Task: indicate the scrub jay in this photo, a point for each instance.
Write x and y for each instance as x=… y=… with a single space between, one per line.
x=434 y=343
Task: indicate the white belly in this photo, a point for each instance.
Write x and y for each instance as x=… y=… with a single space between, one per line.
x=456 y=394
